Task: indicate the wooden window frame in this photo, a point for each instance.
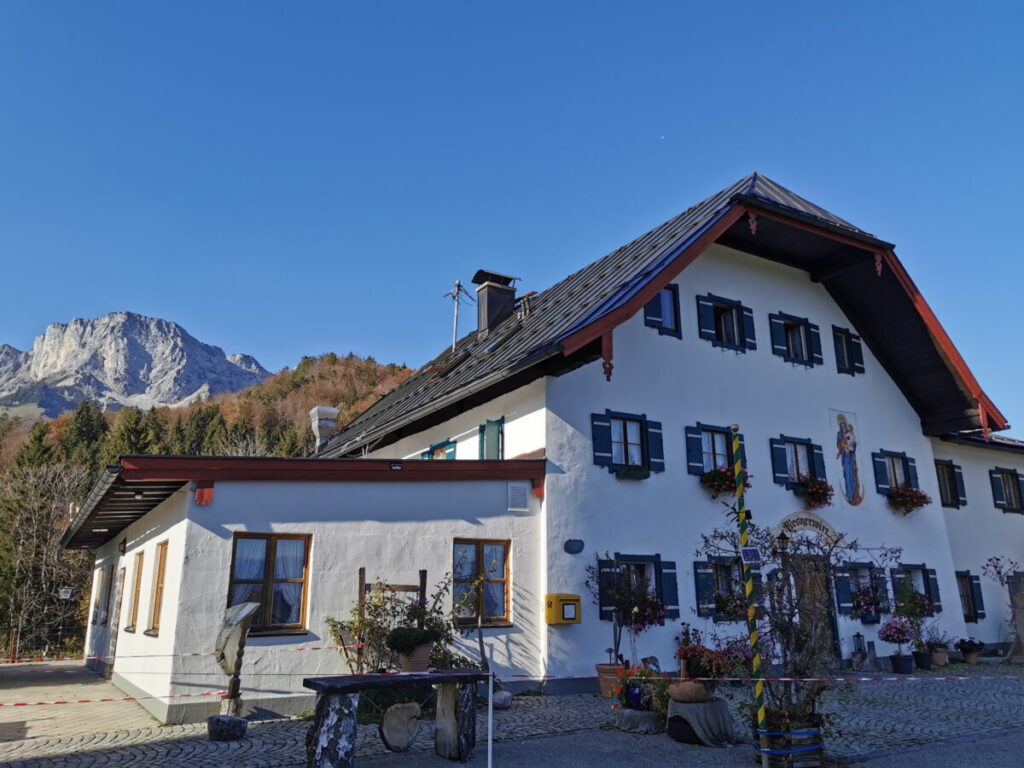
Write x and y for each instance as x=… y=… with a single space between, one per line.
x=706 y=430
x=641 y=427
x=157 y=602
x=477 y=618
x=133 y=610
x=108 y=590
x=970 y=610
x=891 y=460
x=1010 y=479
x=948 y=495
x=268 y=581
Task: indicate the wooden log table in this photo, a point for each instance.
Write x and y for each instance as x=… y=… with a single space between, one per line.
x=331 y=741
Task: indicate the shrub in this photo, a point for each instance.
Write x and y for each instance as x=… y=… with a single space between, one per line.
x=405 y=640
x=969 y=645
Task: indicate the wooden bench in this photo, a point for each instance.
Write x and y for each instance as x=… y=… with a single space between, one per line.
x=331 y=741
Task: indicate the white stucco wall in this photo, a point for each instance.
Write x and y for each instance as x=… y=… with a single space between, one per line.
x=144 y=662
x=682 y=381
x=392 y=529
x=979 y=530
x=522 y=409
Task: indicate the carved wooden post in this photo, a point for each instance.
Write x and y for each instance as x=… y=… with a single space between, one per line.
x=455 y=730
x=331 y=739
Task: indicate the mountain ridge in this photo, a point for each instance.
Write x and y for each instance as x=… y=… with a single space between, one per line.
x=116 y=360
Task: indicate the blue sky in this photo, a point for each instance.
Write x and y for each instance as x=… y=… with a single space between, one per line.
x=295 y=178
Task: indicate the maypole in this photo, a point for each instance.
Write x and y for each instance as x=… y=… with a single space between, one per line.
x=743 y=519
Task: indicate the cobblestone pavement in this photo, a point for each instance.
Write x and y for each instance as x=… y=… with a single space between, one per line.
x=62 y=681
x=873 y=717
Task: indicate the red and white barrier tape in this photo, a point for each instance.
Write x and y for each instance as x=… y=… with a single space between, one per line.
x=105 y=701
x=28 y=659
x=673 y=679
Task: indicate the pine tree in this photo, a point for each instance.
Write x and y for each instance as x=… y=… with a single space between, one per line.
x=37 y=451
x=128 y=436
x=156 y=430
x=83 y=436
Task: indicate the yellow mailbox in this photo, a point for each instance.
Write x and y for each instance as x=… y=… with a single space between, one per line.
x=563 y=609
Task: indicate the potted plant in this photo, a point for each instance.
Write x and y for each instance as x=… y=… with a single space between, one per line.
x=970 y=648
x=721 y=481
x=413 y=646
x=865 y=604
x=816 y=491
x=898 y=631
x=640 y=688
x=938 y=643
x=906 y=500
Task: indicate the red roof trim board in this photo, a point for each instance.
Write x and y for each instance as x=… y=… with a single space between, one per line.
x=990 y=415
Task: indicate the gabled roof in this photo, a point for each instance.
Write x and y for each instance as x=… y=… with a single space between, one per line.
x=558 y=328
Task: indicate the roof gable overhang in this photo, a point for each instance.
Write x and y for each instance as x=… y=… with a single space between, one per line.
x=864 y=277
x=130 y=489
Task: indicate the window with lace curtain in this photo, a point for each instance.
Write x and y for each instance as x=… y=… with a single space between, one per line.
x=271 y=569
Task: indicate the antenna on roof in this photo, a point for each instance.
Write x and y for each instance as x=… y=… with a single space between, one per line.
x=457 y=294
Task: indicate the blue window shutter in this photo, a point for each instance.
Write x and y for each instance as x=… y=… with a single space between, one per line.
x=653 y=312
x=694 y=451
x=705 y=318
x=844 y=592
x=958 y=475
x=881 y=585
x=912 y=472
x=881 y=473
x=655 y=447
x=777 y=331
x=669 y=589
x=818 y=459
x=749 y=338
x=899 y=578
x=780 y=469
x=997 y=488
x=931 y=585
x=856 y=354
x=449 y=451
x=704 y=579
x=607 y=581
x=977 y=598
x=601 y=436
x=814 y=339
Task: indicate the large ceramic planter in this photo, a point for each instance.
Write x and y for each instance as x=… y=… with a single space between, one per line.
x=940 y=657
x=418 y=660
x=607 y=681
x=923 y=660
x=971 y=657
x=801 y=747
x=689 y=691
x=902 y=665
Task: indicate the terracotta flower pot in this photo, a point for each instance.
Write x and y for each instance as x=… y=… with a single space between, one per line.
x=940 y=657
x=607 y=681
x=688 y=691
x=418 y=660
x=971 y=657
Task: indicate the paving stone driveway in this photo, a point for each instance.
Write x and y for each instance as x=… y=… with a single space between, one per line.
x=873 y=717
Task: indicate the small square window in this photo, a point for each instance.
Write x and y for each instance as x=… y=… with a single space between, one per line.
x=662 y=312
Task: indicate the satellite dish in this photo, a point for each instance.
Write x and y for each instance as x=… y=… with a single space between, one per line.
x=231 y=638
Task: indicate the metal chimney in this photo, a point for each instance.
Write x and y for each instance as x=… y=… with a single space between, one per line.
x=495 y=299
x=323 y=420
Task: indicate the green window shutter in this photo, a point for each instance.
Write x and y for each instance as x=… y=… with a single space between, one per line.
x=844 y=591
x=704 y=581
x=911 y=472
x=425 y=455
x=669 y=592
x=961 y=493
x=818 y=460
x=607 y=581
x=449 y=451
x=492 y=439
x=749 y=338
x=777 y=332
x=881 y=473
x=601 y=436
x=814 y=341
x=655 y=446
x=931 y=586
x=977 y=598
x=653 y=312
x=998 y=495
x=780 y=467
x=705 y=318
x=694 y=451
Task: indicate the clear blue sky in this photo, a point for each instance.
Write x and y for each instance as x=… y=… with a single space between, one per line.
x=295 y=178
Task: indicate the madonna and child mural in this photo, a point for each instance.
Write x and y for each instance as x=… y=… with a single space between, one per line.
x=845 y=424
